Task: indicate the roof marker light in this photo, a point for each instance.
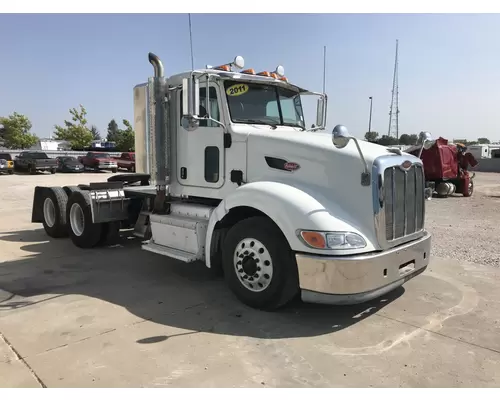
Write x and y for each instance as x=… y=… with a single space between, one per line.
x=249 y=71
x=264 y=73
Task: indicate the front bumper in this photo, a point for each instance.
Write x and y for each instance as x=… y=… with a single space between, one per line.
x=360 y=278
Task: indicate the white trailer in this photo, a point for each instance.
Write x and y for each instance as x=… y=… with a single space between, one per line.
x=227 y=173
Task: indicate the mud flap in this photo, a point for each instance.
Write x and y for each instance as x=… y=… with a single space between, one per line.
x=37 y=209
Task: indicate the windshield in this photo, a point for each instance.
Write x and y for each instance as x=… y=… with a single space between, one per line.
x=66 y=159
x=100 y=155
x=5 y=156
x=256 y=103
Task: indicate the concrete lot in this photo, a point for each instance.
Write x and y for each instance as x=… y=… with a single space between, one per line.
x=119 y=316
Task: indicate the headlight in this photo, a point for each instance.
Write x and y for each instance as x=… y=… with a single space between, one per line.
x=333 y=240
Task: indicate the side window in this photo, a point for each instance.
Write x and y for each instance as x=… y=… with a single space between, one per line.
x=212 y=164
x=288 y=110
x=214 y=106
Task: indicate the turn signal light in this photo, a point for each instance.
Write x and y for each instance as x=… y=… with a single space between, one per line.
x=314 y=239
x=223 y=68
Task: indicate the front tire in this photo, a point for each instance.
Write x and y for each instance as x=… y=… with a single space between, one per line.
x=82 y=231
x=259 y=266
x=468 y=192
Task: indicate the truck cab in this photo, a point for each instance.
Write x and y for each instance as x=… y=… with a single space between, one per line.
x=238 y=181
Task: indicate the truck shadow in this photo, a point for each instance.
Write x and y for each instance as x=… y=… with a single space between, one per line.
x=157 y=289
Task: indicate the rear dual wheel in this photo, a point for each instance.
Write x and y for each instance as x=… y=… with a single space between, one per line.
x=83 y=232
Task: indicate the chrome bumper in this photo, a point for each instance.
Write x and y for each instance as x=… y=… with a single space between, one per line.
x=360 y=278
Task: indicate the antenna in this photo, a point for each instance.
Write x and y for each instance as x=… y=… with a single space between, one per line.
x=394 y=112
x=191 y=41
x=324 y=69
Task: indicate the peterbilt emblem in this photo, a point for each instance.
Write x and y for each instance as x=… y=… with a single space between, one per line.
x=291 y=166
x=406 y=164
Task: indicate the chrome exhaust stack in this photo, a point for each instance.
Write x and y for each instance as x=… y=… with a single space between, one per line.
x=160 y=136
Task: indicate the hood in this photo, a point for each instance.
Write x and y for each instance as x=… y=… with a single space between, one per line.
x=309 y=161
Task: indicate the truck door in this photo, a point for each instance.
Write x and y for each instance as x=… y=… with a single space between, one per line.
x=200 y=153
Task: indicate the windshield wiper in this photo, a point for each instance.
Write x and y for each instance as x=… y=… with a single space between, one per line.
x=295 y=126
x=272 y=123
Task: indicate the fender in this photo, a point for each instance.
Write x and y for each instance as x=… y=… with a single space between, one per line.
x=291 y=208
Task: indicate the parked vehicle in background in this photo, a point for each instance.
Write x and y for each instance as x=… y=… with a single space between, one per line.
x=445 y=166
x=69 y=164
x=6 y=163
x=98 y=161
x=126 y=161
x=33 y=161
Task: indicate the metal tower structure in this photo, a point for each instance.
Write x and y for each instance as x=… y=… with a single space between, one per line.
x=394 y=112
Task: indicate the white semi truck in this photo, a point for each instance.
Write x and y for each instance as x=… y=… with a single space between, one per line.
x=227 y=173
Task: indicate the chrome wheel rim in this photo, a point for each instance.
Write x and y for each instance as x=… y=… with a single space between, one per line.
x=77 y=219
x=253 y=265
x=49 y=212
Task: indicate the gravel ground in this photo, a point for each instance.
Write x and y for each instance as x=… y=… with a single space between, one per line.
x=468 y=229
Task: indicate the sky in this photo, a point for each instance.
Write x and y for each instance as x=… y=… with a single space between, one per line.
x=449 y=64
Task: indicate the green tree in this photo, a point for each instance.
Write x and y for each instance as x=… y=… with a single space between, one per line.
x=387 y=140
x=95 y=132
x=405 y=139
x=371 y=136
x=483 y=140
x=125 y=138
x=76 y=133
x=413 y=139
x=16 y=132
x=113 y=131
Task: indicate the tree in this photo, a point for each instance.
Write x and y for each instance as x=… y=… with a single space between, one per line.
x=16 y=132
x=113 y=131
x=76 y=132
x=95 y=132
x=387 y=140
x=408 y=140
x=371 y=136
x=125 y=138
x=404 y=139
x=483 y=140
x=413 y=139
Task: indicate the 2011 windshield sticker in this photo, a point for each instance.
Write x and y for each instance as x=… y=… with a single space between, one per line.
x=237 y=90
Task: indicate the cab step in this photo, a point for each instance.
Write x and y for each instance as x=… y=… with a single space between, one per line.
x=170 y=252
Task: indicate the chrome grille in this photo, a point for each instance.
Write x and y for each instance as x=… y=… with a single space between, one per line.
x=404 y=201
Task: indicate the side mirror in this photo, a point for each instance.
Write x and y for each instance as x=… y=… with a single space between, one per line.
x=340 y=136
x=320 y=112
x=190 y=103
x=190 y=97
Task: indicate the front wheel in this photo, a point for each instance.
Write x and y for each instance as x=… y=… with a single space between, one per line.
x=114 y=170
x=259 y=266
x=470 y=189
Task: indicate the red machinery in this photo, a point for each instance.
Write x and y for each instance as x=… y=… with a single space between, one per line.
x=445 y=166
